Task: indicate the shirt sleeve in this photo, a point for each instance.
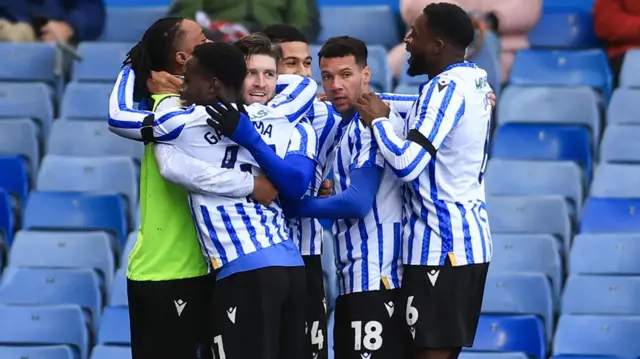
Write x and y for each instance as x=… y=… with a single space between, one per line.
x=199 y=176
x=304 y=141
x=296 y=97
x=127 y=122
x=438 y=110
x=365 y=150
x=402 y=103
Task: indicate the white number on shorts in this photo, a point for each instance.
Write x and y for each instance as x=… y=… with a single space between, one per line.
x=217 y=342
x=372 y=339
x=412 y=313
x=317 y=338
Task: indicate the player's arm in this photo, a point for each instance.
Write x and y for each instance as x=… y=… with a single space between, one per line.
x=356 y=201
x=296 y=97
x=125 y=121
x=401 y=103
x=440 y=108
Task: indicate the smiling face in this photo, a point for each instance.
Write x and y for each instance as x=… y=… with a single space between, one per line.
x=344 y=81
x=296 y=59
x=260 y=83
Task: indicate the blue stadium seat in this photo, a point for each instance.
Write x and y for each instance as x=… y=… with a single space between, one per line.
x=616 y=181
x=407 y=89
x=118 y=293
x=629 y=70
x=607 y=295
x=27 y=100
x=128 y=247
x=528 y=253
x=534 y=178
x=20 y=137
x=41 y=286
x=114 y=327
x=624 y=107
x=563 y=68
x=15 y=177
x=86 y=101
x=550 y=105
x=530 y=215
x=519 y=293
x=127 y=24
x=77 y=211
x=610 y=215
x=544 y=142
x=564 y=29
x=329 y=269
x=42 y=325
x=615 y=254
x=511 y=333
x=27 y=61
x=375 y=25
x=110 y=352
x=575 y=5
x=7 y=220
x=586 y=357
x=115 y=174
x=620 y=145
x=64 y=250
x=595 y=335
x=381 y=78
x=89 y=138
x=473 y=355
x=101 y=61
x=38 y=352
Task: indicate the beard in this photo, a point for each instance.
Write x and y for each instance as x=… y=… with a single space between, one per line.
x=417 y=65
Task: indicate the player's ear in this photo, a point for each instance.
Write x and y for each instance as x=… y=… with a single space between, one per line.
x=366 y=75
x=181 y=57
x=213 y=87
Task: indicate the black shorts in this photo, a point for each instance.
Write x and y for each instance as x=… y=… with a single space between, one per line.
x=170 y=319
x=260 y=314
x=443 y=304
x=316 y=319
x=370 y=324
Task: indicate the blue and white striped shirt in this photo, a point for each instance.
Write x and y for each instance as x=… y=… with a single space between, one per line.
x=444 y=197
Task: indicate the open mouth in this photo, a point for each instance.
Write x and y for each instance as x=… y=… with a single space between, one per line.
x=258 y=94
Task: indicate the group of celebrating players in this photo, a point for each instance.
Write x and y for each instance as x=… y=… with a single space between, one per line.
x=237 y=148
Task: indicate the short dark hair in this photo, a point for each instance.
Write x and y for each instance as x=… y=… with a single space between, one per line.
x=154 y=52
x=223 y=61
x=341 y=46
x=280 y=33
x=450 y=22
x=258 y=44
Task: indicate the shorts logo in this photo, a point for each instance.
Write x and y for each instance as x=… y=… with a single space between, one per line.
x=433 y=276
x=231 y=313
x=390 y=308
x=180 y=304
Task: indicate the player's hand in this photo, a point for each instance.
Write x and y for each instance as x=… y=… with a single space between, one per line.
x=263 y=191
x=162 y=82
x=322 y=97
x=326 y=188
x=227 y=119
x=370 y=107
x=492 y=99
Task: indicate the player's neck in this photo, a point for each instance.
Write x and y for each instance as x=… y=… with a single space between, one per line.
x=446 y=62
x=228 y=95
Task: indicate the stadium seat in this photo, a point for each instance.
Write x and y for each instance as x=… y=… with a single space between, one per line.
x=544 y=142
x=535 y=178
x=530 y=215
x=110 y=352
x=586 y=357
x=45 y=325
x=381 y=78
x=629 y=70
x=614 y=295
x=615 y=254
x=563 y=68
x=595 y=335
x=329 y=269
x=128 y=247
x=550 y=105
x=89 y=138
x=620 y=145
x=473 y=355
x=7 y=220
x=574 y=5
x=532 y=253
x=115 y=174
x=624 y=107
x=101 y=61
x=15 y=178
x=375 y=25
x=564 y=29
x=407 y=89
x=77 y=211
x=41 y=286
x=114 y=327
x=86 y=101
x=64 y=250
x=27 y=61
x=511 y=333
x=118 y=293
x=610 y=215
x=127 y=24
x=27 y=100
x=616 y=181
x=20 y=137
x=38 y=352
x=519 y=293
